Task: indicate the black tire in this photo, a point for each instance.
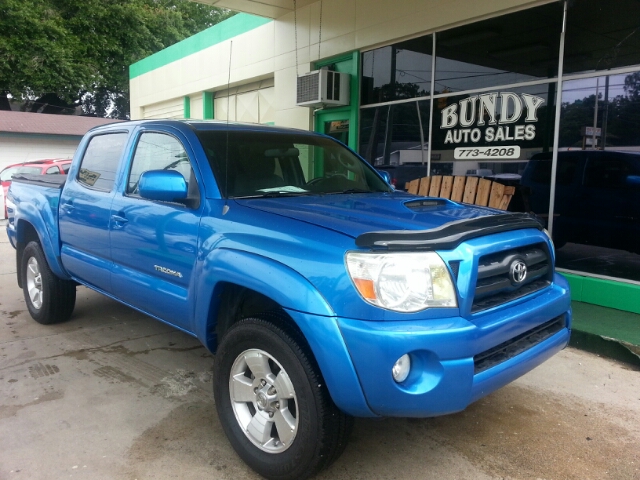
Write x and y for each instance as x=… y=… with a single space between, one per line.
x=321 y=430
x=48 y=298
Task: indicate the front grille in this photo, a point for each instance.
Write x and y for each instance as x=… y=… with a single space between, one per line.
x=454 y=265
x=496 y=282
x=509 y=349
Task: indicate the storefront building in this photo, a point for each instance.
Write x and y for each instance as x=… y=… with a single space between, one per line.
x=544 y=96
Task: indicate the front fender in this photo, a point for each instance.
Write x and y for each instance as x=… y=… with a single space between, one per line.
x=268 y=277
x=304 y=304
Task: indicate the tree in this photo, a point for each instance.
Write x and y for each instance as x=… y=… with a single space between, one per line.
x=56 y=55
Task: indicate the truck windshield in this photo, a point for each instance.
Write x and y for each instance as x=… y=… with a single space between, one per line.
x=266 y=164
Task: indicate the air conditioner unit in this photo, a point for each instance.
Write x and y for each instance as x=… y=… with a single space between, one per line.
x=322 y=88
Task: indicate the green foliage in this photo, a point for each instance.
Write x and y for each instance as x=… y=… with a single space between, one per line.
x=622 y=113
x=66 y=53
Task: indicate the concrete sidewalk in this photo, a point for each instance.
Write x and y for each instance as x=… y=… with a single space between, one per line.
x=604 y=331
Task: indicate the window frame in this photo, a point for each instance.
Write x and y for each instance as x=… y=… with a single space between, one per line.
x=190 y=203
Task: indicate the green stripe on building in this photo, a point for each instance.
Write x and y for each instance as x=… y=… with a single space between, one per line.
x=236 y=25
x=207 y=106
x=187 y=107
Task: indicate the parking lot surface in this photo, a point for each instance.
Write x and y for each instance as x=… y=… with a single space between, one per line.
x=113 y=394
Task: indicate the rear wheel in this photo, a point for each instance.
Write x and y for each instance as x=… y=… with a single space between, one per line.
x=273 y=405
x=48 y=298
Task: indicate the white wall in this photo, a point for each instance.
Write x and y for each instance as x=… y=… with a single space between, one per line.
x=172 y=108
x=250 y=103
x=21 y=148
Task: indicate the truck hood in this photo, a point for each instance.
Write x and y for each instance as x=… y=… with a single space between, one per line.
x=356 y=214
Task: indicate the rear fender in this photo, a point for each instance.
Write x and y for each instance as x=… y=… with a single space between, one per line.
x=40 y=219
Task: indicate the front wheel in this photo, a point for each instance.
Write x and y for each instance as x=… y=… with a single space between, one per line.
x=48 y=298
x=273 y=405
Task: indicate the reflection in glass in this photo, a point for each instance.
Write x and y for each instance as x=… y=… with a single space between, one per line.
x=519 y=47
x=597 y=197
x=395 y=134
x=601 y=35
x=397 y=72
x=101 y=160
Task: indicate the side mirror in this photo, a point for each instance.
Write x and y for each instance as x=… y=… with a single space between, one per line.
x=163 y=185
x=385 y=175
x=633 y=181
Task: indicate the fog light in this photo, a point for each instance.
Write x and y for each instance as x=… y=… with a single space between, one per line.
x=401 y=369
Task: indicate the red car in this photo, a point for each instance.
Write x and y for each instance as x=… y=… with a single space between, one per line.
x=47 y=166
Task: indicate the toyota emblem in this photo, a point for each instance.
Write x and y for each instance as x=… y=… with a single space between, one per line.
x=518 y=271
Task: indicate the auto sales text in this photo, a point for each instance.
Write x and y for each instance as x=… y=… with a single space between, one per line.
x=480 y=110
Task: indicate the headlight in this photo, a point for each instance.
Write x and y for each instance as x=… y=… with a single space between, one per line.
x=404 y=282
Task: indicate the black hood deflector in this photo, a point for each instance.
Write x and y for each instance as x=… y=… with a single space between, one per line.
x=449 y=235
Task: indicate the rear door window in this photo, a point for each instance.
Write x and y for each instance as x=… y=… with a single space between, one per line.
x=100 y=161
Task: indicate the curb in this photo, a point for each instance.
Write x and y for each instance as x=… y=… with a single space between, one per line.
x=606 y=347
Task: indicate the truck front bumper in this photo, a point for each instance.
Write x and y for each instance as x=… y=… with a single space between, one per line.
x=455 y=361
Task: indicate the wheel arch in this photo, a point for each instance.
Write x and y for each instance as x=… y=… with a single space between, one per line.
x=31 y=229
x=235 y=284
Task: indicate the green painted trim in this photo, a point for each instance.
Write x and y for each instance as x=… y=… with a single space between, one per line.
x=207 y=106
x=337 y=59
x=187 y=106
x=354 y=134
x=606 y=293
x=350 y=63
x=231 y=27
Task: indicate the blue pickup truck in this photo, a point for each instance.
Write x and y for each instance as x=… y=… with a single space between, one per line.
x=324 y=293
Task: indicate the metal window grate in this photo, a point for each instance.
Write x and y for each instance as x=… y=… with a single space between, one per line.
x=308 y=88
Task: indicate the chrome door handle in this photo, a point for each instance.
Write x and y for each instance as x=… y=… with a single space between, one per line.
x=119 y=219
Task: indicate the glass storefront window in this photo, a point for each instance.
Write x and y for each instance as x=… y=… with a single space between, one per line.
x=597 y=197
x=397 y=72
x=519 y=47
x=495 y=132
x=395 y=134
x=602 y=35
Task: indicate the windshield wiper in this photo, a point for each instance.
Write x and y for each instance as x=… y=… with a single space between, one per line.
x=276 y=195
x=351 y=190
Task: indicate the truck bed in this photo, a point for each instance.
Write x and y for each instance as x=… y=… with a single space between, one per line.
x=50 y=181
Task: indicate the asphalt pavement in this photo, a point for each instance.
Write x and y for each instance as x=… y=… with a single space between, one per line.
x=113 y=394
